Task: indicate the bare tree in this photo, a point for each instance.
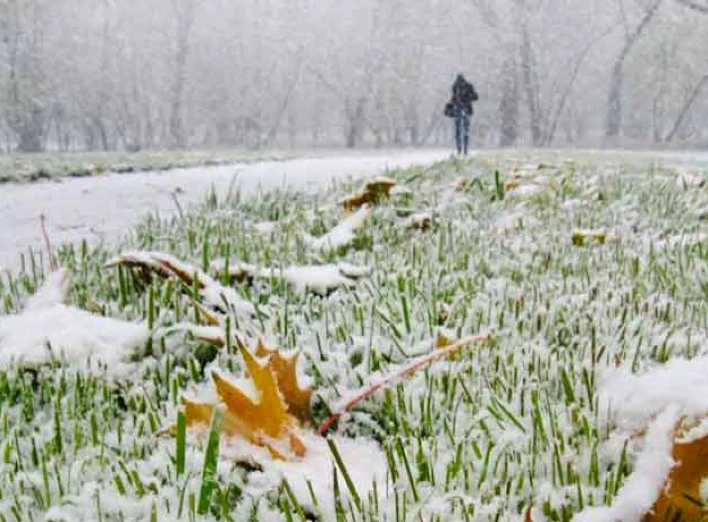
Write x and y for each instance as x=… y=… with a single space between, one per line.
x=184 y=17
x=613 y=120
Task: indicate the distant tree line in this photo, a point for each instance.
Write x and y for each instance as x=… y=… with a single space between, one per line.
x=132 y=75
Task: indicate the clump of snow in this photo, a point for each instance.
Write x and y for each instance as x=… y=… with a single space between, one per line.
x=686 y=178
x=210 y=334
x=400 y=190
x=49 y=329
x=364 y=461
x=265 y=227
x=342 y=234
x=634 y=400
x=526 y=189
x=52 y=292
x=323 y=279
x=682 y=240
x=318 y=279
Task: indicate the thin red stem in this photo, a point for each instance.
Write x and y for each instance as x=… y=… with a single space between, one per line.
x=413 y=366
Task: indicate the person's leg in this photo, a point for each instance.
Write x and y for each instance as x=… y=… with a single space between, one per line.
x=466 y=125
x=458 y=130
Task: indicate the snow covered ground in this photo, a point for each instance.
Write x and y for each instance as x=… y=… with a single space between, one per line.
x=587 y=277
x=104 y=207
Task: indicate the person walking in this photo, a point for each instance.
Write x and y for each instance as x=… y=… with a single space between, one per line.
x=459 y=108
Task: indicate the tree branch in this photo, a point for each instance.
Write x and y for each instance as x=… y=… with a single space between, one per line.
x=691 y=4
x=686 y=107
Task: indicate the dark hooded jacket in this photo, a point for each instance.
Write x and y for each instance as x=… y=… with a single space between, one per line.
x=463 y=94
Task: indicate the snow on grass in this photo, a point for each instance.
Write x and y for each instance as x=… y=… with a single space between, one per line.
x=570 y=407
x=342 y=234
x=318 y=279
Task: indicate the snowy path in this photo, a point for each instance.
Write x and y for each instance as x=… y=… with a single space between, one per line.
x=105 y=207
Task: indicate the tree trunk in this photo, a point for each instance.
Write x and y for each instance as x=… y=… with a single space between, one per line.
x=614 y=116
x=686 y=107
x=528 y=68
x=509 y=106
x=185 y=16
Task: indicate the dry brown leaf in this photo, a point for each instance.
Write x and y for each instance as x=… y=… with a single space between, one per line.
x=161 y=264
x=421 y=221
x=511 y=184
x=214 y=294
x=371 y=193
x=264 y=421
x=681 y=500
x=462 y=184
x=443 y=341
x=284 y=368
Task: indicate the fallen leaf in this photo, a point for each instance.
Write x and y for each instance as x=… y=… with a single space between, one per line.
x=584 y=237
x=263 y=420
x=443 y=313
x=511 y=184
x=681 y=500
x=297 y=398
x=212 y=292
x=462 y=184
x=443 y=341
x=370 y=194
x=421 y=221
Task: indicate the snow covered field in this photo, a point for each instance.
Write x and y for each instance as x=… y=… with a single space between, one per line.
x=583 y=404
x=104 y=207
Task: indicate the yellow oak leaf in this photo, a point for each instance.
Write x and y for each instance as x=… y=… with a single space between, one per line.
x=262 y=420
x=680 y=500
x=284 y=368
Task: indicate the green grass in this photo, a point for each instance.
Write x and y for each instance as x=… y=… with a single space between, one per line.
x=39 y=167
x=508 y=423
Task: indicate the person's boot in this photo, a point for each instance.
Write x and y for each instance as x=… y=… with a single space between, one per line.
x=467 y=144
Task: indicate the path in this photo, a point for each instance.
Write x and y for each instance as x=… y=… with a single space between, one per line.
x=103 y=208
